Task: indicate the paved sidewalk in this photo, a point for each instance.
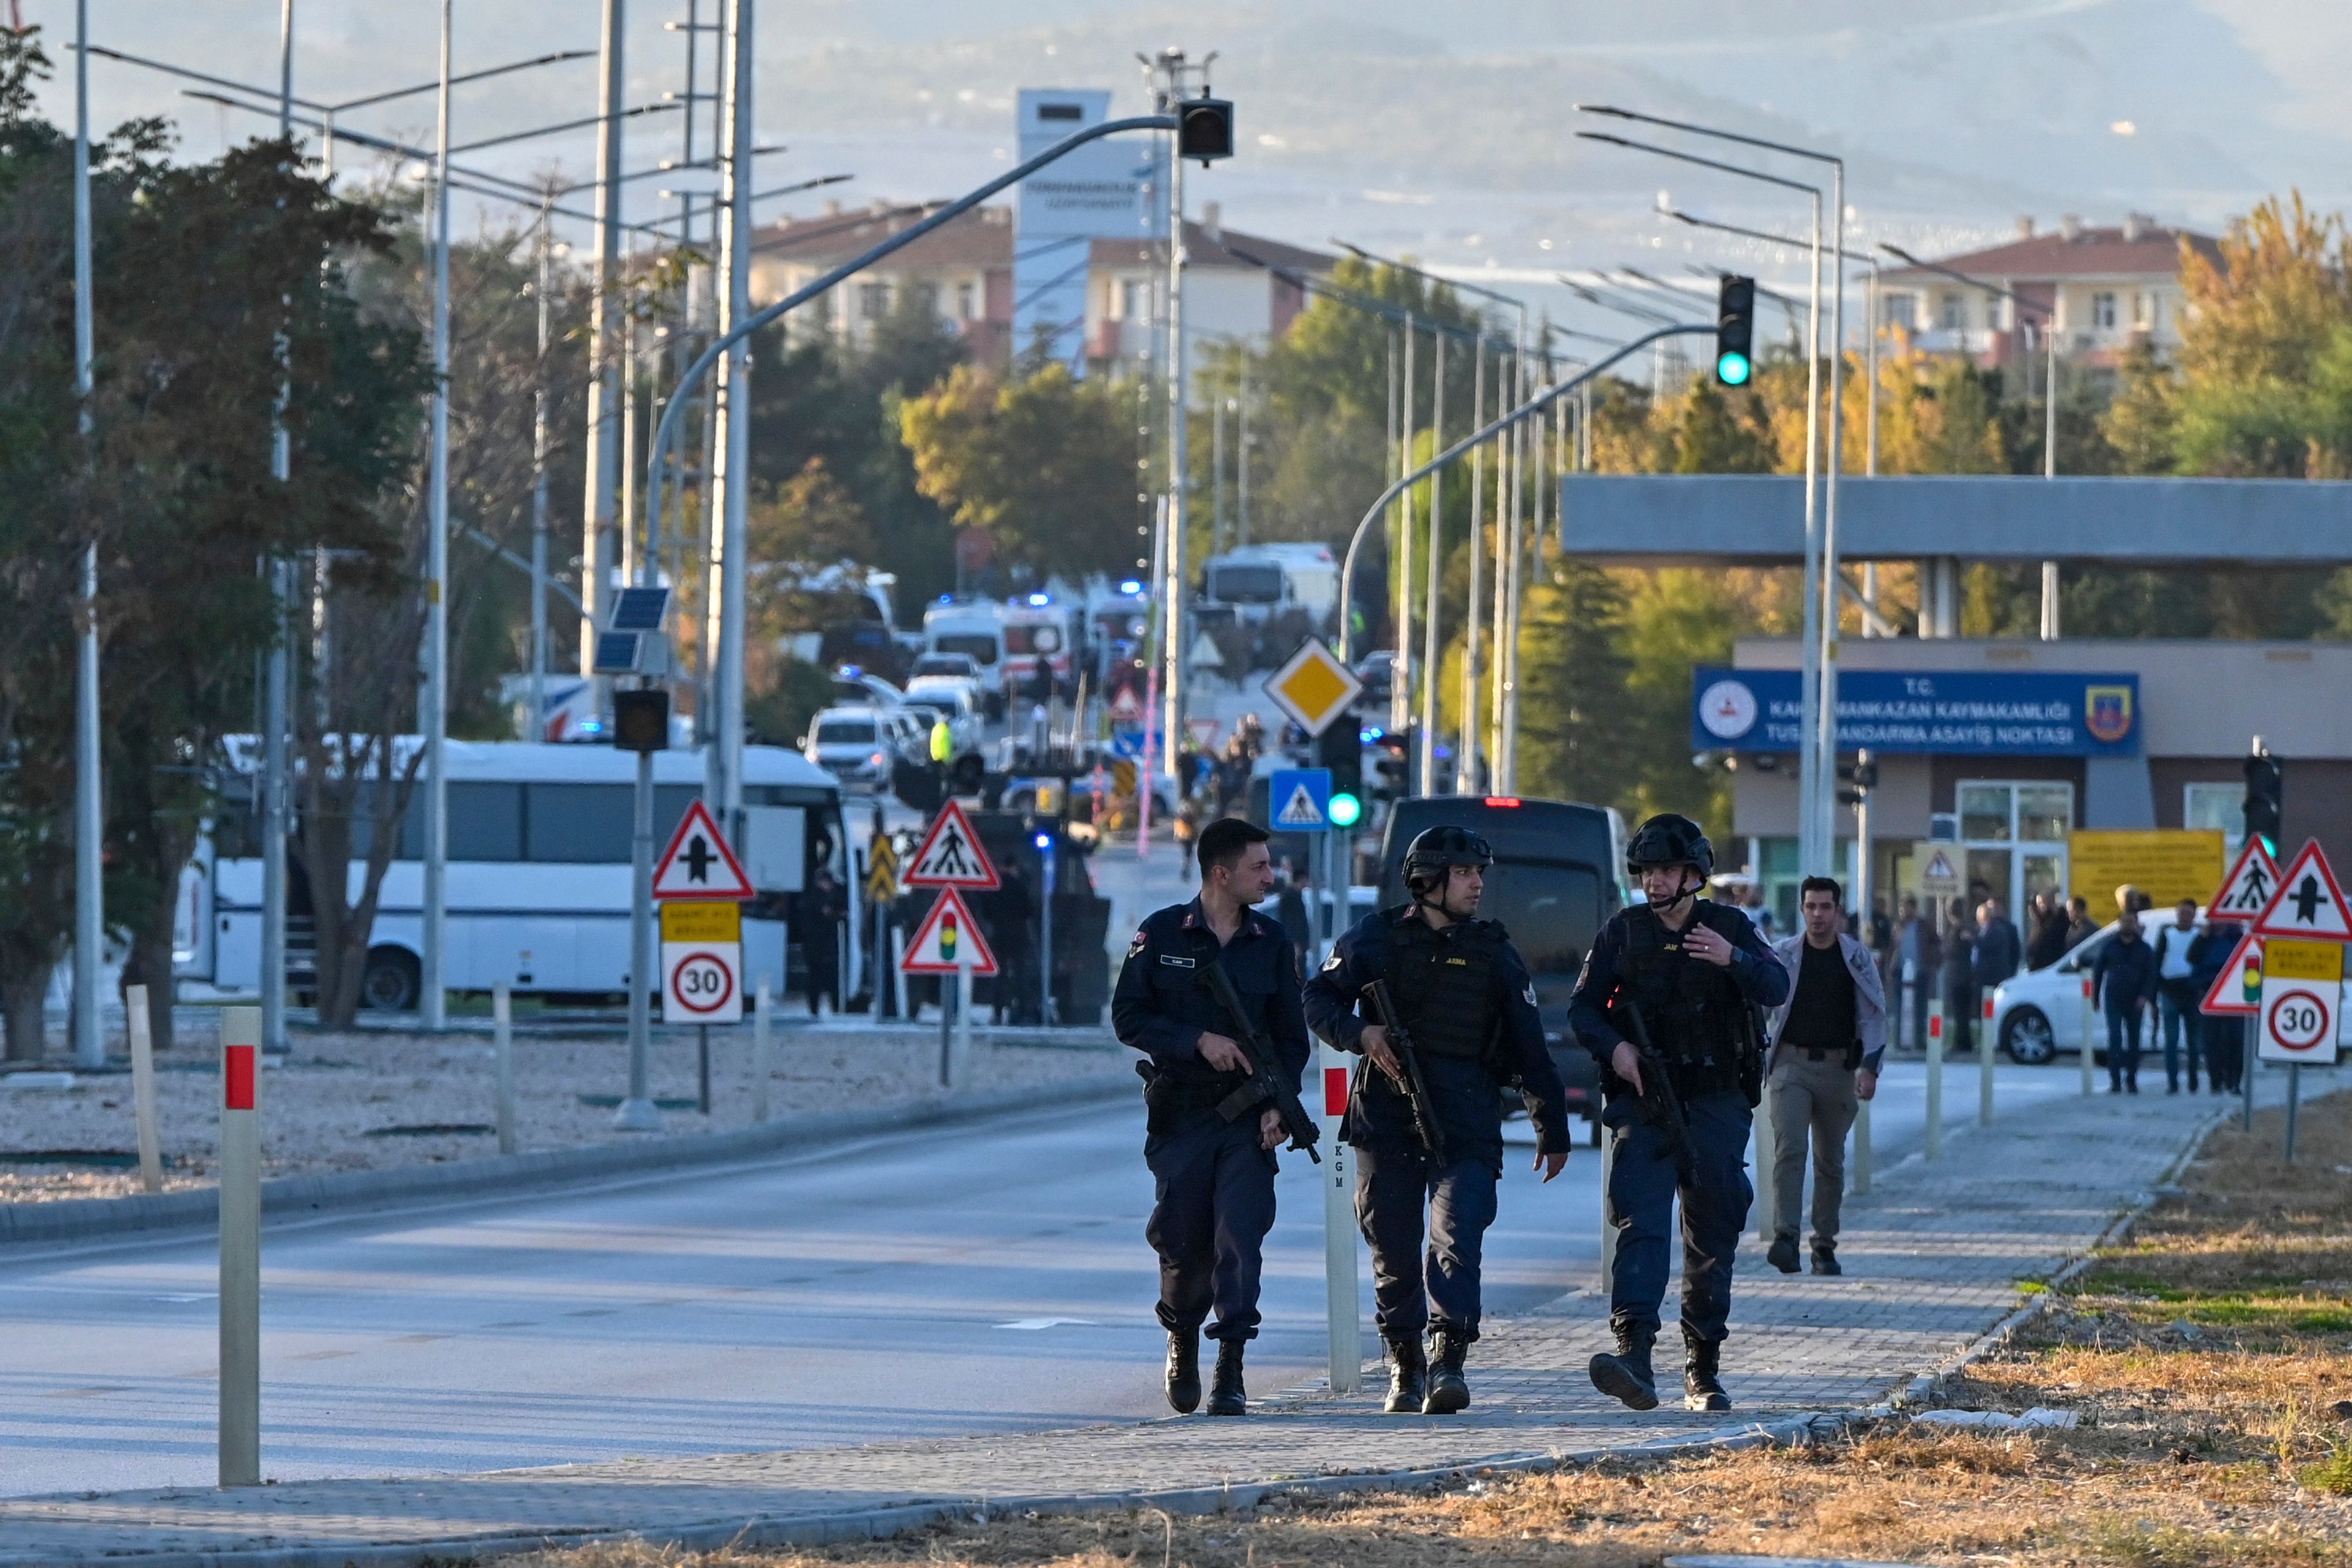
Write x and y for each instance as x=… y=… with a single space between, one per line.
x=1935 y=1256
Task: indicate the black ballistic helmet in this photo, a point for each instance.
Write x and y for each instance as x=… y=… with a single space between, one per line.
x=1434 y=849
x=1667 y=840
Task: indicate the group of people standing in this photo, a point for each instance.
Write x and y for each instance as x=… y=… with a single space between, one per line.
x=1690 y=1015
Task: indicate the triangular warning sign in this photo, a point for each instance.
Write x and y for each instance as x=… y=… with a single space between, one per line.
x=2246 y=892
x=698 y=864
x=951 y=854
x=1126 y=707
x=2239 y=987
x=1300 y=810
x=1940 y=869
x=949 y=938
x=2308 y=903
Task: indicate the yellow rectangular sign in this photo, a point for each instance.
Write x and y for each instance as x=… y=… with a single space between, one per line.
x=2303 y=959
x=2168 y=865
x=693 y=920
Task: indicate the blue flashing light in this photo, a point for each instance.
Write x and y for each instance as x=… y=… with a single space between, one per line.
x=851 y=671
x=1044 y=841
x=1131 y=588
x=1733 y=369
x=1371 y=736
x=1041 y=598
x=947 y=599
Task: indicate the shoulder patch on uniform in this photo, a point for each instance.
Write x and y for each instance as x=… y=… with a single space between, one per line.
x=1332 y=962
x=1142 y=937
x=1531 y=994
x=1172 y=961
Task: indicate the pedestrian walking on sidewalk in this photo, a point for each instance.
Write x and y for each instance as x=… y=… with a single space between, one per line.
x=1667 y=1003
x=2177 y=994
x=1827 y=1044
x=1466 y=1009
x=1212 y=1178
x=2223 y=1035
x=2123 y=981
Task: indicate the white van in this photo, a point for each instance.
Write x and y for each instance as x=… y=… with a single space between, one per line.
x=1259 y=582
x=974 y=627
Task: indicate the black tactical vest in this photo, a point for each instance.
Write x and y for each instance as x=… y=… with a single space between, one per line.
x=1693 y=1012
x=1445 y=985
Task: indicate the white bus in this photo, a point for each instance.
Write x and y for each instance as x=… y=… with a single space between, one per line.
x=538 y=874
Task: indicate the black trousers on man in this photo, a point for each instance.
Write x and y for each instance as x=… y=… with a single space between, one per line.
x=1392 y=1190
x=1213 y=1203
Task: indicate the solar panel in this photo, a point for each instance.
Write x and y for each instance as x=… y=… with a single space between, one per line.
x=616 y=653
x=639 y=610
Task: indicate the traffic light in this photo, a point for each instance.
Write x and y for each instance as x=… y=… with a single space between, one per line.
x=1392 y=765
x=1341 y=748
x=1205 y=128
x=1735 y=331
x=2265 y=787
x=641 y=720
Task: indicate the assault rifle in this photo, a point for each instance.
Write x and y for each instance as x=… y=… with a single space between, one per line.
x=1425 y=1124
x=1658 y=1104
x=1266 y=1085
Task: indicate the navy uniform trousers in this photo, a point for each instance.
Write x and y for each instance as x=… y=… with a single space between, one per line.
x=1393 y=1186
x=1212 y=1203
x=1643 y=1184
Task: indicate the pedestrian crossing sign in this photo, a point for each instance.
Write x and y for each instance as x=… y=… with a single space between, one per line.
x=1300 y=800
x=2246 y=890
x=951 y=854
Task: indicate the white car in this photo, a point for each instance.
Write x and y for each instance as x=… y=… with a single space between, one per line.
x=2039 y=1014
x=959 y=695
x=856 y=745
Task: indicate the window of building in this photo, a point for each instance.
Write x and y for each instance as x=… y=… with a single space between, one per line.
x=2143 y=309
x=873 y=300
x=2013 y=837
x=2102 y=312
x=926 y=295
x=1901 y=310
x=967 y=300
x=1134 y=300
x=2216 y=806
x=1952 y=312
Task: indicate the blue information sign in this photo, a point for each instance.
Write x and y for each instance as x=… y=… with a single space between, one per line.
x=2028 y=713
x=1300 y=800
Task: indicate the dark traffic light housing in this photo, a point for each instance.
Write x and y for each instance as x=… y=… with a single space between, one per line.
x=1205 y=128
x=641 y=720
x=2265 y=795
x=1735 y=331
x=1341 y=748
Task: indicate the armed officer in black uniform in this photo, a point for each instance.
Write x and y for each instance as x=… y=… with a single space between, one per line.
x=1468 y=1007
x=1212 y=1176
x=1674 y=983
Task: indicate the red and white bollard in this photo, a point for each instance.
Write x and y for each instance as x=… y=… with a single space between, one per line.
x=240 y=1247
x=1337 y=1173
x=1935 y=1144
x=2090 y=1033
x=1986 y=1048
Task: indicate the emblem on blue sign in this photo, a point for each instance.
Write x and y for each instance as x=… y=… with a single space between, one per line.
x=2108 y=712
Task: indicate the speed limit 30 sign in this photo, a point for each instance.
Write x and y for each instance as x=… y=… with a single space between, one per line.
x=2301 y=988
x=703 y=964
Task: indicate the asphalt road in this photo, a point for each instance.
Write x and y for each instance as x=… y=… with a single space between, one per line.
x=984 y=1280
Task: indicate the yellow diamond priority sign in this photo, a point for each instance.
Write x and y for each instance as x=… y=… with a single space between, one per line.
x=1314 y=687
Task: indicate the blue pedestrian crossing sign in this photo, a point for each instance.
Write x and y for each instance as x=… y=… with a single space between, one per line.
x=1300 y=800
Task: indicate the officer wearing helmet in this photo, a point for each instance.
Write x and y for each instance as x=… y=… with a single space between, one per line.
x=1464 y=999
x=1691 y=974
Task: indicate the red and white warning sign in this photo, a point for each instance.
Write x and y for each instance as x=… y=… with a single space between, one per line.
x=699 y=864
x=2247 y=890
x=948 y=940
x=2308 y=903
x=2239 y=987
x=950 y=856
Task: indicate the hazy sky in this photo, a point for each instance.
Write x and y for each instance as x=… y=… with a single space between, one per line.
x=1447 y=131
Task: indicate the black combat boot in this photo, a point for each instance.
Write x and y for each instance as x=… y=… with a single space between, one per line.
x=1702 y=1385
x=1825 y=1258
x=1408 y=1376
x=1226 y=1395
x=1449 y=1392
x=1782 y=1254
x=1183 y=1371
x=1626 y=1375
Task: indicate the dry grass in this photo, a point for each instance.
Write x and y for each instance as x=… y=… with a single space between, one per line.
x=2208 y=1362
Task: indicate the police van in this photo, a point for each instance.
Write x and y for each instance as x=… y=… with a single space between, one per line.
x=1555 y=880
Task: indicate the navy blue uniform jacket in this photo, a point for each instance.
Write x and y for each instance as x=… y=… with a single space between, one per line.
x=1466 y=1096
x=1161 y=1007
x=1759 y=972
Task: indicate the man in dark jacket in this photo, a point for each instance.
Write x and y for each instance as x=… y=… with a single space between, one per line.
x=2047 y=945
x=1468 y=1006
x=2123 y=981
x=1958 y=977
x=2223 y=1034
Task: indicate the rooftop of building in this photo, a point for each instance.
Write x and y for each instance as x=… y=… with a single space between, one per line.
x=2138 y=248
x=984 y=238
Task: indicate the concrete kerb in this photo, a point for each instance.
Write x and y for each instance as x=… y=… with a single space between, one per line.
x=73 y=1219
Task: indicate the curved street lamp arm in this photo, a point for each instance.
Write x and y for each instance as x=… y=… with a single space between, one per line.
x=1452 y=454
x=666 y=432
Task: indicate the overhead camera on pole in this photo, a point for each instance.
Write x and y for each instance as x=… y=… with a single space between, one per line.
x=1735 y=331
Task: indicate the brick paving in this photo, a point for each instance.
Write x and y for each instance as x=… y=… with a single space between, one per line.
x=1935 y=1256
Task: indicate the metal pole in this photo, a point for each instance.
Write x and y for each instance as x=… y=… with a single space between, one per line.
x=2050 y=616
x=1870 y=440
x=1466 y=768
x=278 y=676
x=1179 y=652
x=1506 y=490
x=637 y=1113
x=1400 y=676
x=723 y=776
x=502 y=1049
x=90 y=811
x=538 y=730
x=1046 y=941
x=1830 y=572
x=2248 y=1043
x=604 y=436
x=760 y=1049
x=702 y=1067
x=435 y=716
x=143 y=1088
x=1217 y=475
x=1342 y=1306
x=1935 y=1147
x=2293 y=1101
x=1242 y=463
x=1810 y=855
x=240 y=1249
x=1506 y=650
x=1434 y=571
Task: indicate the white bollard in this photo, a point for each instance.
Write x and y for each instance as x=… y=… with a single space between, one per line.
x=502 y=1048
x=2090 y=1037
x=143 y=1088
x=1608 y=1216
x=1935 y=1146
x=1767 y=1153
x=240 y=1247
x=960 y=1070
x=1342 y=1304
x=760 y=1067
x=898 y=975
x=1987 y=1048
x=1857 y=1165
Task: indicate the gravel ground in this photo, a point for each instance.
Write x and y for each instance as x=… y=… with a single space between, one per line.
x=330 y=1105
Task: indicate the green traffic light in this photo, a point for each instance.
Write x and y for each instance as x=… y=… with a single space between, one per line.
x=1346 y=810
x=1733 y=369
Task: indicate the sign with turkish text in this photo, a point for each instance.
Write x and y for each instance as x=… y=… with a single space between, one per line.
x=2165 y=864
x=2021 y=713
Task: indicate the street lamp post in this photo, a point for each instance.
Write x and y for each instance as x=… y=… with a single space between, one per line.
x=2050 y=619
x=89 y=815
x=432 y=971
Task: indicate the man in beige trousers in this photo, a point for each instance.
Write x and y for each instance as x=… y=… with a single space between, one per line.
x=1827 y=1041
